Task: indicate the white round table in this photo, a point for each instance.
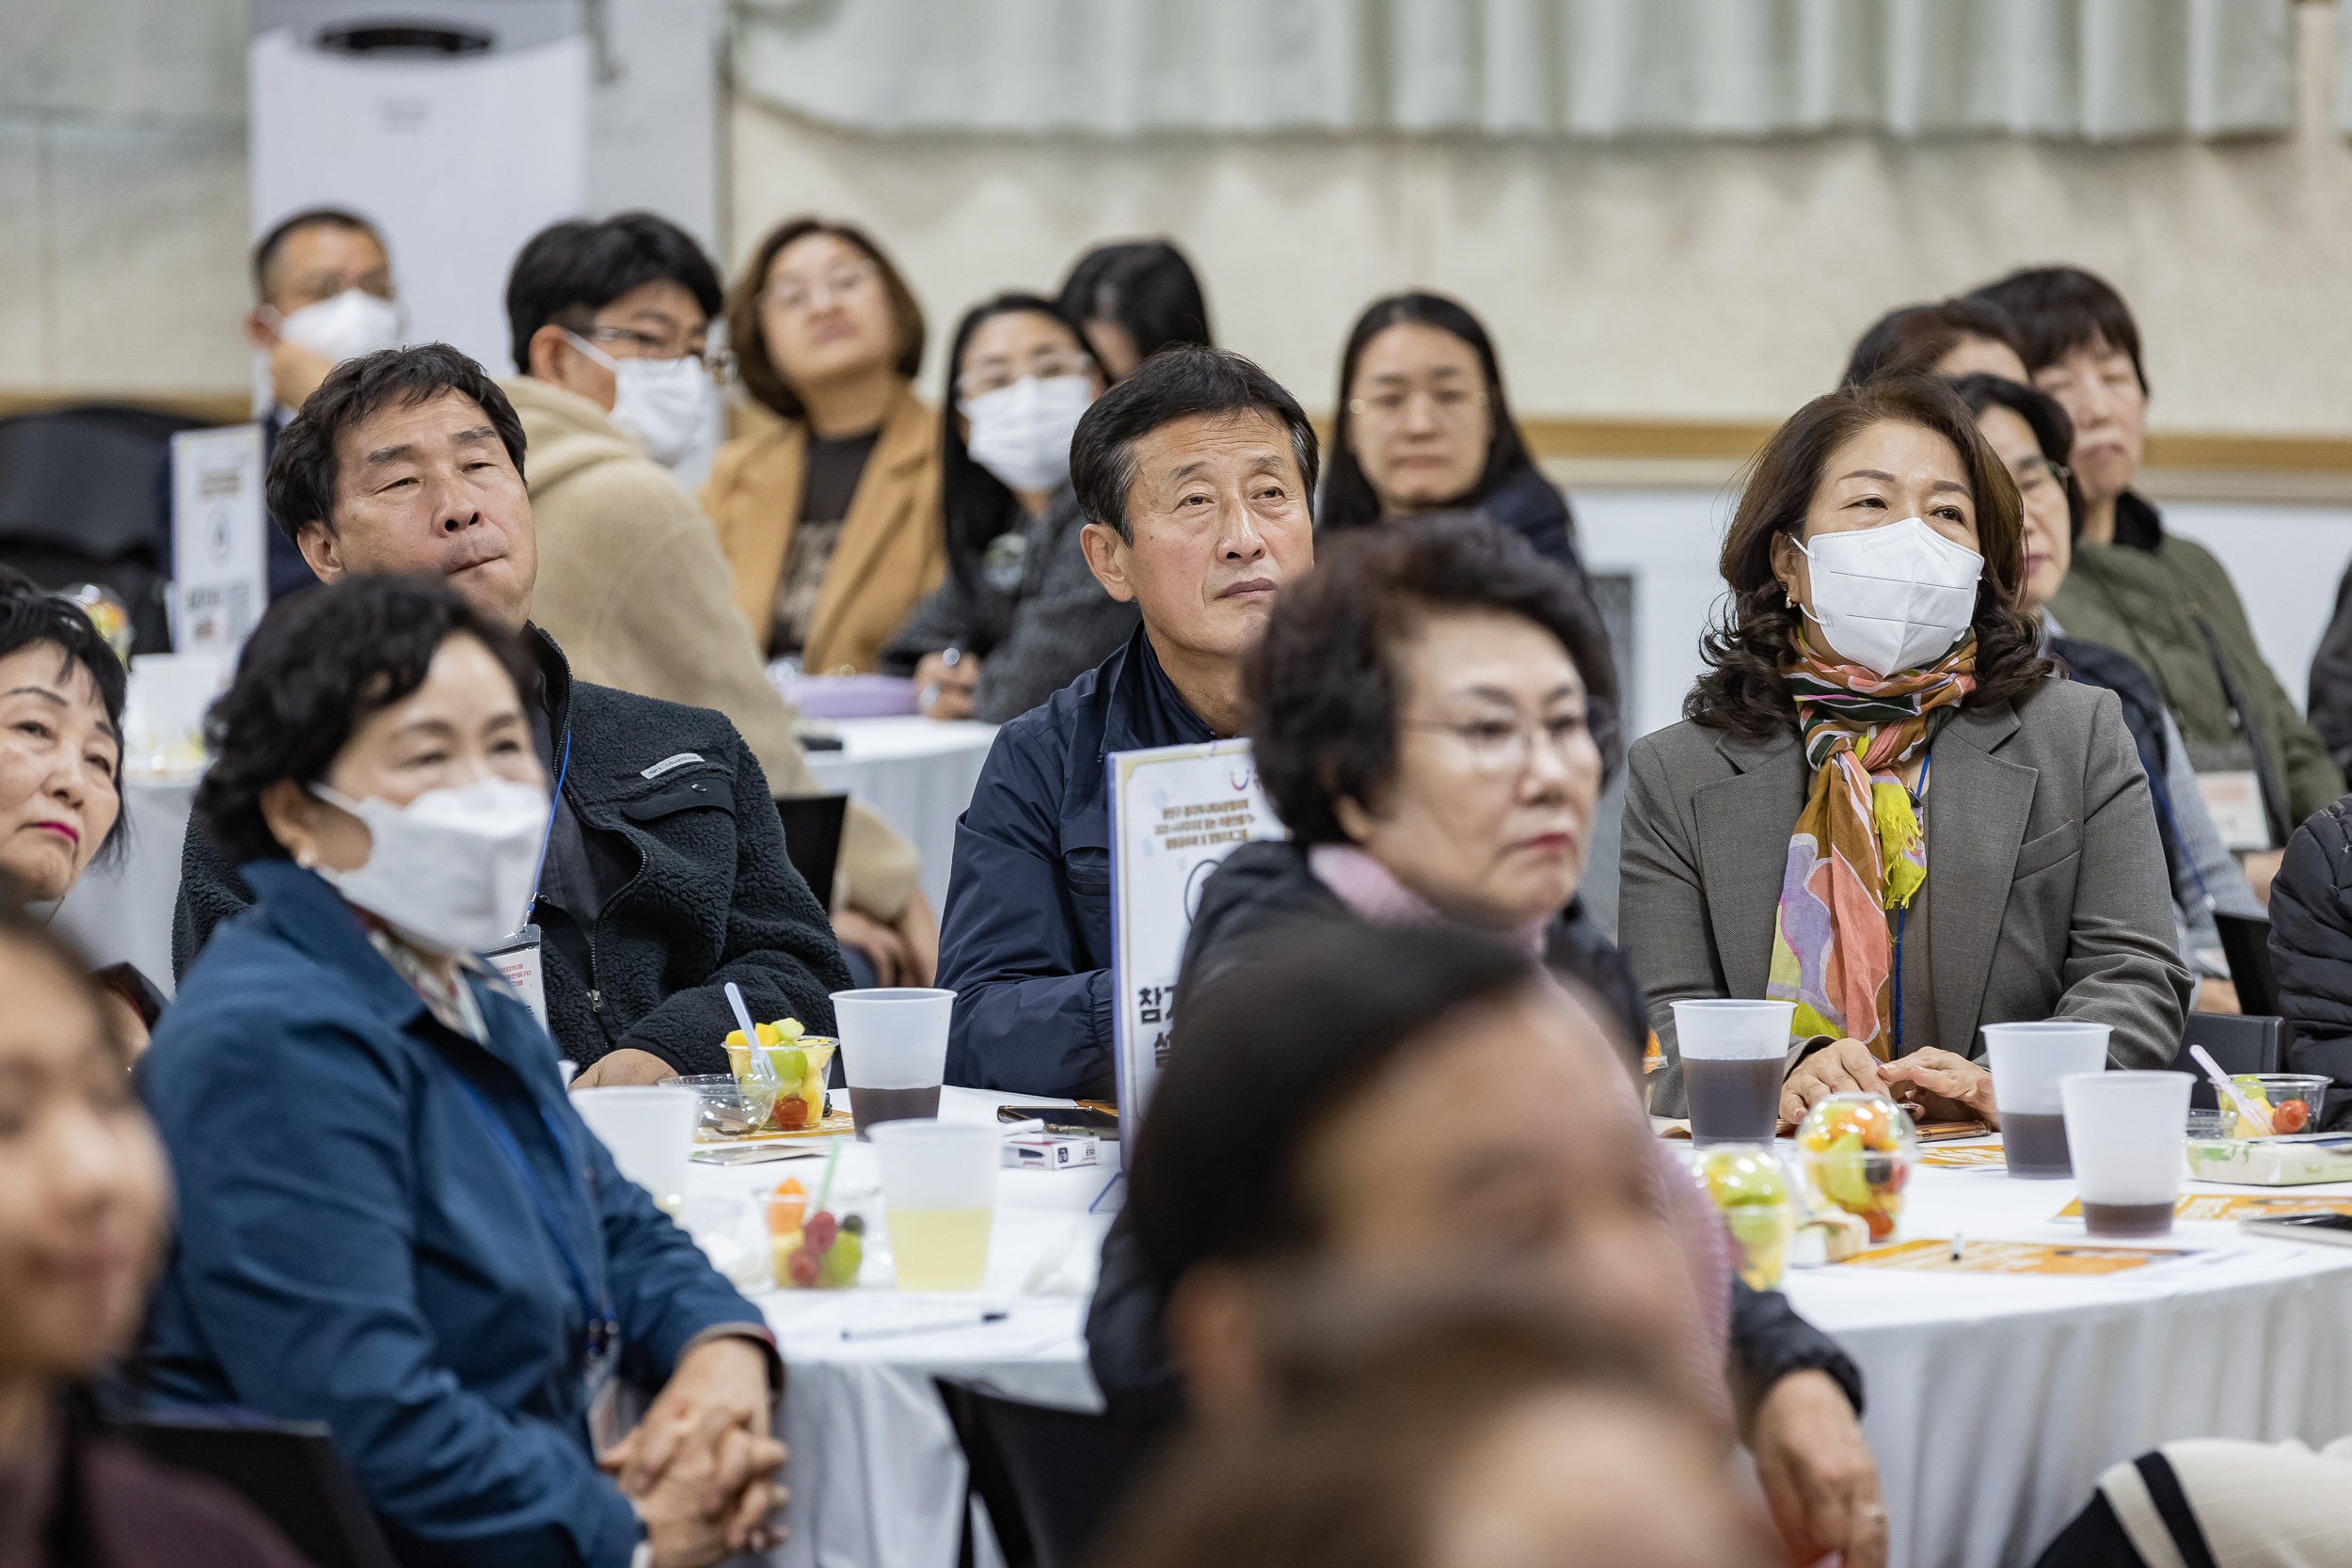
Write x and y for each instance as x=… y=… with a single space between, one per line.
x=916 y=774
x=1993 y=1401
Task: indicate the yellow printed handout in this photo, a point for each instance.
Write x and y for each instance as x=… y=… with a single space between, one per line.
x=1933 y=1257
x=2236 y=1206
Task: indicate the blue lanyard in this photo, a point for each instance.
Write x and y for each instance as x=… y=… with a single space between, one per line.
x=596 y=1309
x=555 y=803
x=1902 y=915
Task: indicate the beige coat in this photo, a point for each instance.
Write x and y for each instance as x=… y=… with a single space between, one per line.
x=892 y=551
x=2046 y=893
x=632 y=587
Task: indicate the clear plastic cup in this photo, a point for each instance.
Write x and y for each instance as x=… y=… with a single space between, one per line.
x=2128 y=1132
x=893 y=1052
x=939 y=1191
x=2027 y=1060
x=650 y=1131
x=1732 y=1054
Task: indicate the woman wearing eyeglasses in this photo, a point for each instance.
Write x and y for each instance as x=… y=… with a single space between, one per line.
x=2030 y=433
x=1423 y=425
x=830 y=517
x=1020 y=616
x=1433 y=711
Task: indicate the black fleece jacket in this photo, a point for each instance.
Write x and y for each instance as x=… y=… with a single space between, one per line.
x=2310 y=952
x=704 y=893
x=1258 y=887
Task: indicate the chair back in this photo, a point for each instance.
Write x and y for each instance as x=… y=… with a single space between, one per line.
x=2239 y=1044
x=1050 y=1477
x=2245 y=943
x=289 y=1470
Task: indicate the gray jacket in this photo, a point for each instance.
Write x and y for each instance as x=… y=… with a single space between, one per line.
x=2047 y=894
x=1034 y=637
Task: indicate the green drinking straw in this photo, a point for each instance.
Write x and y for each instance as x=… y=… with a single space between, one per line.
x=824 y=1187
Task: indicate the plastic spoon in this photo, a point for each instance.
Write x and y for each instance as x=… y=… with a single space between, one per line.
x=2221 y=1082
x=763 y=1071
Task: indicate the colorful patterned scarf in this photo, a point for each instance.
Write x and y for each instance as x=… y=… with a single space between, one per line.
x=1857 y=850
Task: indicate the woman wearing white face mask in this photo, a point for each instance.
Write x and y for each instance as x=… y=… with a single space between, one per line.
x=393 y=1220
x=1880 y=808
x=1020 y=615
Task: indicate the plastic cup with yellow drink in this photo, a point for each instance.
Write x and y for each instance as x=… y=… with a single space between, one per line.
x=801 y=1061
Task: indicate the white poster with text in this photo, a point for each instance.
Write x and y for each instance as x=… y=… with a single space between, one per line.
x=219 y=552
x=1176 y=810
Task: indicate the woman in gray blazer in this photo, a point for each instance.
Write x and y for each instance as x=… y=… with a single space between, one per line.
x=1878 y=805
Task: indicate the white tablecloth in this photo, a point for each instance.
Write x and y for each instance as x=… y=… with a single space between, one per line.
x=876 y=1476
x=918 y=775
x=122 y=912
x=1993 y=1401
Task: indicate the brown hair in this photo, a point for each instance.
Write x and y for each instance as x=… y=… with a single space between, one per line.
x=749 y=339
x=1742 y=691
x=1363 y=1436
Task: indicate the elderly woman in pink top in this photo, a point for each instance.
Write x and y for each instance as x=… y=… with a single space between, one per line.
x=1434 y=711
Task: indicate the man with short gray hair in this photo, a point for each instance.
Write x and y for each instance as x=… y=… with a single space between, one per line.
x=1194 y=475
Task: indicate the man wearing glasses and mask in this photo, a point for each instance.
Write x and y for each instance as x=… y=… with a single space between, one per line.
x=618 y=397
x=324 y=283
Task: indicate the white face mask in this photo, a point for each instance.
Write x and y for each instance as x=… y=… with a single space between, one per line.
x=1893 y=597
x=344 y=327
x=1021 y=433
x=452 y=870
x=667 y=405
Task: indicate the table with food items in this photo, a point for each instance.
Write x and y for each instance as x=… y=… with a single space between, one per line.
x=2010 y=1354
x=2012 y=1349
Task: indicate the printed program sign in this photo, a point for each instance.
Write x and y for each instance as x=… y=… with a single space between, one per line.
x=1176 y=810
x=219 y=554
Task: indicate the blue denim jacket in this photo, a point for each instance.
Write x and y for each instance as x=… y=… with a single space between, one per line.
x=354 y=1247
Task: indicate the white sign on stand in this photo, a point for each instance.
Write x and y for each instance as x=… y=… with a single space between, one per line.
x=1176 y=810
x=220 y=556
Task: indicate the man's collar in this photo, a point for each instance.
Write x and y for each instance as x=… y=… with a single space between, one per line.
x=553 y=694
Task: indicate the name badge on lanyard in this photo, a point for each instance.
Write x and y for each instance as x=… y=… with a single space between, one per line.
x=2235 y=801
x=517 y=959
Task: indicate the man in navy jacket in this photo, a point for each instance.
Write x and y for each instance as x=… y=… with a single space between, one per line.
x=1193 y=475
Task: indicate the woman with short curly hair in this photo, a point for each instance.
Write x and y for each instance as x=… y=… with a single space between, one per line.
x=1433 y=711
x=392 y=1218
x=1877 y=806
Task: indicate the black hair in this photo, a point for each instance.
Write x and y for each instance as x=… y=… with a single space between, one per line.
x=1181 y=381
x=1322 y=687
x=31 y=616
x=2059 y=309
x=569 y=270
x=975 y=505
x=315 y=668
x=1912 y=340
x=1348 y=498
x=301 y=486
x=1146 y=287
x=2053 y=431
x=1306 y=1023
x=265 y=253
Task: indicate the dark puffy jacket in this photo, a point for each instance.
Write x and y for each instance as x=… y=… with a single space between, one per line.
x=711 y=897
x=2311 y=952
x=1258 y=887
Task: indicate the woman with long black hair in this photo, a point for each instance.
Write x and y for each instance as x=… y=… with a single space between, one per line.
x=1020 y=616
x=1424 y=426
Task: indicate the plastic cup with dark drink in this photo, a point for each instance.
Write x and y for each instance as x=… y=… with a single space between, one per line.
x=2127 y=1133
x=2027 y=1060
x=893 y=1052
x=1732 y=1052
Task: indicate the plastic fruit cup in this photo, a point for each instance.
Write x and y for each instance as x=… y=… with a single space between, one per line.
x=1755 y=1193
x=815 y=1054
x=2283 y=1089
x=1857 y=1151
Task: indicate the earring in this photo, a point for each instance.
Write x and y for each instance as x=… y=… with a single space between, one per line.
x=307 y=858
